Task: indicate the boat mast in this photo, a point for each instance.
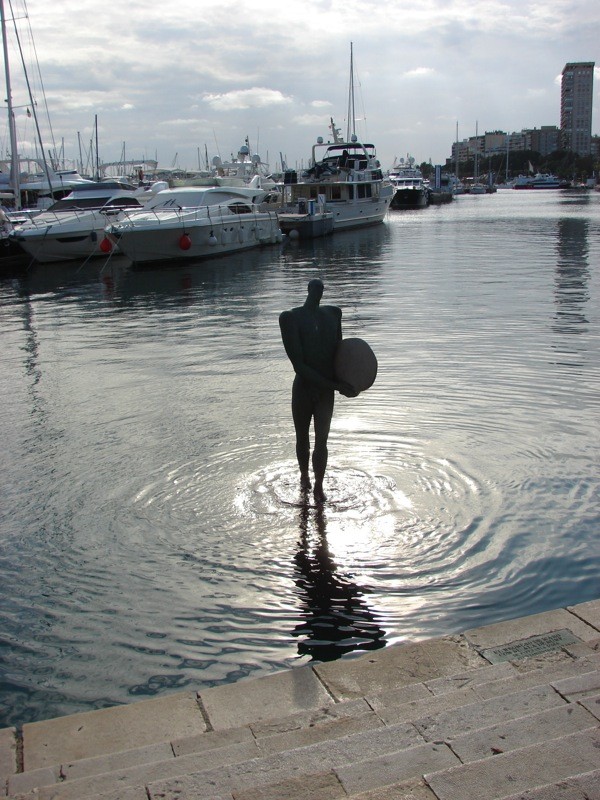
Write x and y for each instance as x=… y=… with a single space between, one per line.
x=14 y=154
x=351 y=129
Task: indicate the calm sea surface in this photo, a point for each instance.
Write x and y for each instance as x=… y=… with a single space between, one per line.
x=152 y=532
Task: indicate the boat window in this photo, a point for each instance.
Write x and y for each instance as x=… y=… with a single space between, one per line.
x=123 y=201
x=74 y=203
x=240 y=208
x=336 y=192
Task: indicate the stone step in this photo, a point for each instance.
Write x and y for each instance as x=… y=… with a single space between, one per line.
x=393 y=752
x=448 y=717
x=444 y=701
x=578 y=787
x=508 y=774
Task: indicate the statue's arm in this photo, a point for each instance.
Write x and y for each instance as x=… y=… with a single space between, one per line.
x=290 y=335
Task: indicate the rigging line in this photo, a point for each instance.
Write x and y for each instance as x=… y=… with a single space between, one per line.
x=33 y=109
x=37 y=62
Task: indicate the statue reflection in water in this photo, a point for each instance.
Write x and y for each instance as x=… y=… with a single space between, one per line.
x=336 y=618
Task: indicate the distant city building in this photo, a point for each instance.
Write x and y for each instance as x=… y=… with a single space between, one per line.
x=575 y=132
x=544 y=140
x=576 y=101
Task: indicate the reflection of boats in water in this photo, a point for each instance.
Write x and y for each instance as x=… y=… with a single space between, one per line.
x=336 y=617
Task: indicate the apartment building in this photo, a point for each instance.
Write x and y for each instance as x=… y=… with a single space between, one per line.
x=576 y=102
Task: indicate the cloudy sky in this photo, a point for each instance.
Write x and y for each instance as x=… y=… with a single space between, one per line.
x=176 y=79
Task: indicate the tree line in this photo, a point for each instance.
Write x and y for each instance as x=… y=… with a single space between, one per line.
x=565 y=164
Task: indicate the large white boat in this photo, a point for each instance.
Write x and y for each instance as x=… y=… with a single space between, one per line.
x=197 y=222
x=346 y=178
x=542 y=180
x=410 y=191
x=73 y=227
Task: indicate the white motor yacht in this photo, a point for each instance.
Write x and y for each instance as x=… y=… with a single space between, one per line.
x=73 y=227
x=410 y=191
x=345 y=178
x=197 y=222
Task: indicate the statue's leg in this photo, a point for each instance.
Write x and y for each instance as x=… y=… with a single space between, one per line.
x=302 y=414
x=322 y=420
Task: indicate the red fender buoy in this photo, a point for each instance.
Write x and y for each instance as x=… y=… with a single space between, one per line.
x=185 y=242
x=106 y=245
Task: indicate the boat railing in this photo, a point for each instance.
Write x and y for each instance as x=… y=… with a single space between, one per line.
x=163 y=215
x=48 y=218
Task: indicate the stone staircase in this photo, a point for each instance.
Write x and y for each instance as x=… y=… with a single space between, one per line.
x=507 y=711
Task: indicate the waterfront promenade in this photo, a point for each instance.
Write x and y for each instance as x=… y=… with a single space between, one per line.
x=509 y=710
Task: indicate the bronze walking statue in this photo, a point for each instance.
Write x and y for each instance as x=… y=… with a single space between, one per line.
x=311 y=334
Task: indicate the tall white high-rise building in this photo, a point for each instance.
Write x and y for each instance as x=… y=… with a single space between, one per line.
x=576 y=102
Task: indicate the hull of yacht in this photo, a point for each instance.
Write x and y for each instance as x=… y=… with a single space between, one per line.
x=347 y=212
x=73 y=227
x=360 y=213
x=296 y=225
x=150 y=240
x=64 y=245
x=410 y=198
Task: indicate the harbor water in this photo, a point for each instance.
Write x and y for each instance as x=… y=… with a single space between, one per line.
x=153 y=536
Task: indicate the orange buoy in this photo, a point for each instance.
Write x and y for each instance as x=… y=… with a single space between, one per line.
x=185 y=242
x=106 y=245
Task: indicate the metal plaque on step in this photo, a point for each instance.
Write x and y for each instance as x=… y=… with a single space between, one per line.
x=532 y=646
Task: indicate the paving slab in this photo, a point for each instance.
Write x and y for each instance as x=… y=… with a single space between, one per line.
x=396 y=666
x=448 y=724
x=336 y=729
x=589 y=612
x=125 y=793
x=589 y=783
x=524 y=769
x=592 y=704
x=413 y=789
x=392 y=710
x=310 y=760
x=508 y=735
x=472 y=677
x=547 y=673
x=256 y=699
x=514 y=630
x=584 y=649
x=389 y=769
x=113 y=762
x=26 y=781
x=212 y=740
x=8 y=751
x=308 y=719
x=557 y=791
x=579 y=685
x=109 y=730
x=323 y=786
x=140 y=775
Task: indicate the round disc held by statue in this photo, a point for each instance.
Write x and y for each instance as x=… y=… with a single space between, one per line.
x=355 y=363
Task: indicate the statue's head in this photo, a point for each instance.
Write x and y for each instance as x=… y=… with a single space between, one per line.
x=315 y=288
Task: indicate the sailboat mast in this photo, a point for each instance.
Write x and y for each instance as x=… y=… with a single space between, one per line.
x=351 y=129
x=14 y=154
